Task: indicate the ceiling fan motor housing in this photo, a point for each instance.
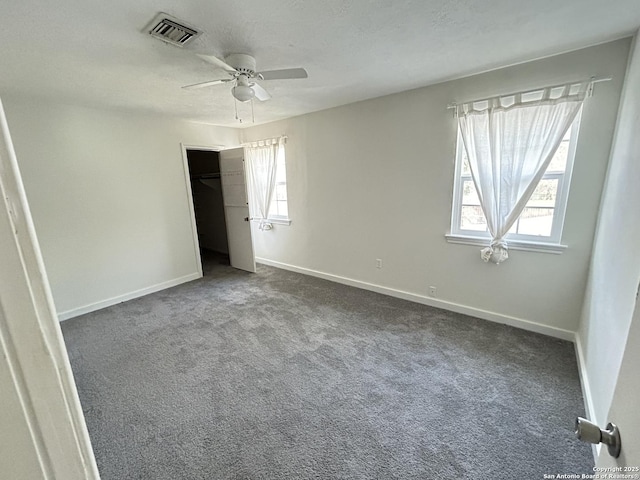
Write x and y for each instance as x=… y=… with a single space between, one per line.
x=244 y=64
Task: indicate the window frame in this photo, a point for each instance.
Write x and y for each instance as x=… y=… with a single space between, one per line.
x=552 y=243
x=281 y=219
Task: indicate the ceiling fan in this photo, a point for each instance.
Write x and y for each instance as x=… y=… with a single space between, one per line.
x=241 y=69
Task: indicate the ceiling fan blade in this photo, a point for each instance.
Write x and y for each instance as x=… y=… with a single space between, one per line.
x=261 y=93
x=285 y=74
x=207 y=84
x=218 y=63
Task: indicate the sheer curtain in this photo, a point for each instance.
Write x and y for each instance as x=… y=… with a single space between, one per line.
x=260 y=160
x=510 y=142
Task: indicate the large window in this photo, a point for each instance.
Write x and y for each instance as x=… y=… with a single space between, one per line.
x=279 y=208
x=542 y=218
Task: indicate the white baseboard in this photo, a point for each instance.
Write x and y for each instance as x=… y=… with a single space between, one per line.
x=584 y=378
x=127 y=296
x=433 y=302
x=586 y=388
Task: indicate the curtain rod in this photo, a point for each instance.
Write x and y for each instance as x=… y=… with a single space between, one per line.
x=591 y=80
x=248 y=144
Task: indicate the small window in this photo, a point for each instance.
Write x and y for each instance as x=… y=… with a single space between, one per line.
x=541 y=220
x=279 y=209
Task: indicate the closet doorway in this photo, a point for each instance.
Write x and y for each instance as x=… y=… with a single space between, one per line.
x=208 y=206
x=219 y=206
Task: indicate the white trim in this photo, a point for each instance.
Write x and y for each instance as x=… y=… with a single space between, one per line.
x=584 y=379
x=279 y=220
x=192 y=211
x=211 y=148
x=433 y=302
x=586 y=387
x=555 y=248
x=92 y=307
x=564 y=184
x=31 y=340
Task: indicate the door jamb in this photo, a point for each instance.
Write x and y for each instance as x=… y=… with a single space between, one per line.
x=192 y=211
x=31 y=340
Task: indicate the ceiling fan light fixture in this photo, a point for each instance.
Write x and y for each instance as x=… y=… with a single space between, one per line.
x=243 y=93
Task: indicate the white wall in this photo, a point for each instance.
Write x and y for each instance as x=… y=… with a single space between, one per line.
x=108 y=197
x=374 y=180
x=615 y=266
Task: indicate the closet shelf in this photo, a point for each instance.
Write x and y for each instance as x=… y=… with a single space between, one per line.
x=205 y=176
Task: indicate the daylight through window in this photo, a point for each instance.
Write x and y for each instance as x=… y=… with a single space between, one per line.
x=279 y=208
x=542 y=218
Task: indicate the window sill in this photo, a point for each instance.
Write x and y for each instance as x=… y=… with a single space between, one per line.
x=280 y=221
x=555 y=248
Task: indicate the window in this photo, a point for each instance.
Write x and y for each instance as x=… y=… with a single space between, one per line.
x=541 y=220
x=279 y=209
x=266 y=175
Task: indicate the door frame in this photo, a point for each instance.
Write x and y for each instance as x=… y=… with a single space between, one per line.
x=622 y=409
x=192 y=212
x=31 y=341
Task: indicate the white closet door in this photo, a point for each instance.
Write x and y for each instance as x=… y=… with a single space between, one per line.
x=236 y=209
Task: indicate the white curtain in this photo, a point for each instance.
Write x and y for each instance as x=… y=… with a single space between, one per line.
x=510 y=142
x=260 y=160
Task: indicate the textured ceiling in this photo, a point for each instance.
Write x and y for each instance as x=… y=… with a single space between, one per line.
x=94 y=52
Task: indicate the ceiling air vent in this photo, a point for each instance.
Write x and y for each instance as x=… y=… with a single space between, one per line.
x=171 y=30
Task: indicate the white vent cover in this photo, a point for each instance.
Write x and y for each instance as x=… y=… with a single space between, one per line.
x=171 y=30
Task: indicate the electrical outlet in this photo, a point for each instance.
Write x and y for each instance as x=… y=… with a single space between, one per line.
x=433 y=291
x=378 y=263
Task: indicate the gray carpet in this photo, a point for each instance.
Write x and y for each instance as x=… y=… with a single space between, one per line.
x=277 y=375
